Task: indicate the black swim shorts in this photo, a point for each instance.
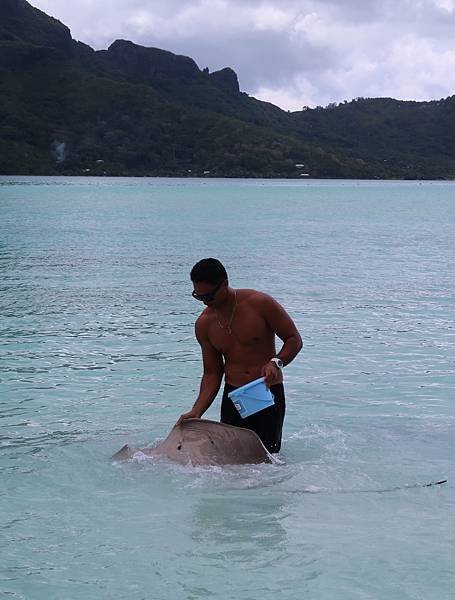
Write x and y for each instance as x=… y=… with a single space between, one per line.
x=267 y=423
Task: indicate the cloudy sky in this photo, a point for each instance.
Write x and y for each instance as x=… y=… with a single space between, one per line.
x=289 y=52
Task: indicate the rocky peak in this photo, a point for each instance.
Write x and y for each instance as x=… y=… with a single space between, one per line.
x=227 y=79
x=151 y=63
x=19 y=21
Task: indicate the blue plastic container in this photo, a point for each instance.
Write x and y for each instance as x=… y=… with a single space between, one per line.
x=252 y=397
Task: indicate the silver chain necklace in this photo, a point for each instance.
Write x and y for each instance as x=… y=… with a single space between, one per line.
x=228 y=326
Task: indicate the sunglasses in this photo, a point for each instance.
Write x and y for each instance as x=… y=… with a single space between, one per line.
x=207 y=297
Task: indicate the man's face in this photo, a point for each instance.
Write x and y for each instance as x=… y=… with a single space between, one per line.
x=209 y=293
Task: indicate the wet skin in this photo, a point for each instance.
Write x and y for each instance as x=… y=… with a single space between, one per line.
x=236 y=332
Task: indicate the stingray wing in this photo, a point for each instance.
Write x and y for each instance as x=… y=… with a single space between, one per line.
x=210 y=442
x=204 y=442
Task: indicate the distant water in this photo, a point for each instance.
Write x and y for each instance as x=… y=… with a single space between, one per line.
x=97 y=350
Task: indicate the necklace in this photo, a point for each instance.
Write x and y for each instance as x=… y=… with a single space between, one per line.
x=228 y=326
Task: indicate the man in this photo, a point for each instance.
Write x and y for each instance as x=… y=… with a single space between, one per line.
x=236 y=333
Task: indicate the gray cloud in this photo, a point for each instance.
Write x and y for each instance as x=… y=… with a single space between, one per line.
x=289 y=52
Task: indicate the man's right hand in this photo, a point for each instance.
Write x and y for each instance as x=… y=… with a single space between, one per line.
x=192 y=414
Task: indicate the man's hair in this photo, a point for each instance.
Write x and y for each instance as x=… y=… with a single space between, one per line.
x=208 y=270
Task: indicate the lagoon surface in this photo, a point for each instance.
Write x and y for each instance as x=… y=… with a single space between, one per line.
x=97 y=350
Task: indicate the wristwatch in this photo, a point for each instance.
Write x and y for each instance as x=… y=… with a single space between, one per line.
x=278 y=362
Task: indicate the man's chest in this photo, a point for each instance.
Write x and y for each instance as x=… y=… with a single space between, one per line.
x=247 y=328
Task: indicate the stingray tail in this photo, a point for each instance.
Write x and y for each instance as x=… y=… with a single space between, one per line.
x=407 y=487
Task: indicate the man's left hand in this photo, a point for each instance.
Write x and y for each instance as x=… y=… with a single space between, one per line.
x=271 y=373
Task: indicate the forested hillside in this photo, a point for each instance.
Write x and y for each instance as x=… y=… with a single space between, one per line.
x=130 y=110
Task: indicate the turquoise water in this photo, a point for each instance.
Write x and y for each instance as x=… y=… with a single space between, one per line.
x=97 y=349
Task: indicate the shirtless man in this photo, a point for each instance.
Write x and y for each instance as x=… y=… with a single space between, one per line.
x=236 y=333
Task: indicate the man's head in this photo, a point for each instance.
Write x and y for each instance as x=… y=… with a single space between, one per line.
x=209 y=279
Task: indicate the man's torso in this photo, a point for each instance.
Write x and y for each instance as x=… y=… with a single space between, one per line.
x=247 y=344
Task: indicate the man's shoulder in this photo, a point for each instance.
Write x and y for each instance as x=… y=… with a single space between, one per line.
x=203 y=319
x=254 y=297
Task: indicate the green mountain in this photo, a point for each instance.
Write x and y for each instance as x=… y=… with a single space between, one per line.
x=130 y=110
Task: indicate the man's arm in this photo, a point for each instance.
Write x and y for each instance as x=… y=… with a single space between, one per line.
x=213 y=374
x=284 y=327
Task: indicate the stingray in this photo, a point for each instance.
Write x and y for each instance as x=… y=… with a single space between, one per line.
x=203 y=442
